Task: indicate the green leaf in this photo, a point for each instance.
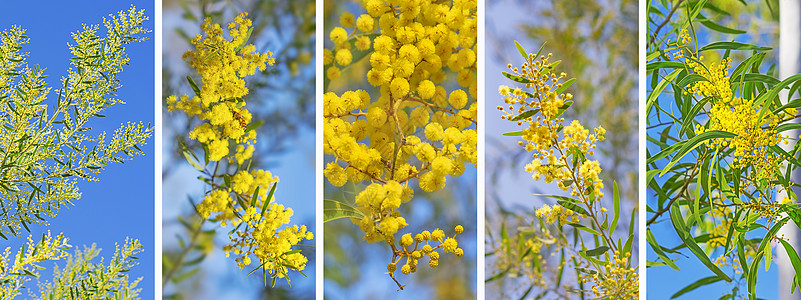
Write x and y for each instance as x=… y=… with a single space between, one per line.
x=701 y=282
x=692 y=78
x=697 y=197
x=584 y=228
x=513 y=133
x=254 y=196
x=193 y=85
x=269 y=198
x=652 y=97
x=516 y=78
x=499 y=275
x=254 y=125
x=678 y=224
x=793 y=259
x=773 y=93
x=184 y=276
x=245 y=41
x=616 y=197
x=664 y=65
x=572 y=206
x=721 y=28
x=540 y=51
x=522 y=51
x=564 y=86
x=532 y=112
x=732 y=46
x=792 y=211
x=192 y=161
x=549 y=67
x=597 y=251
x=756 y=77
x=693 y=143
x=760 y=252
x=658 y=250
x=525 y=114
x=333 y=210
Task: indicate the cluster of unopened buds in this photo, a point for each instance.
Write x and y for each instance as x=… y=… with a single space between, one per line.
x=422 y=244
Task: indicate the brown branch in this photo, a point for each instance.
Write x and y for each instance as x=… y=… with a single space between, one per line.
x=450 y=111
x=670 y=203
x=346 y=114
x=667 y=19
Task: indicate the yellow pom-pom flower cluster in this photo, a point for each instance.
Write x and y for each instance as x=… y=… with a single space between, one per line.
x=17 y=270
x=242 y=199
x=755 y=130
x=539 y=112
x=421 y=245
x=557 y=213
x=222 y=65
x=724 y=260
x=560 y=155
x=618 y=281
x=417 y=129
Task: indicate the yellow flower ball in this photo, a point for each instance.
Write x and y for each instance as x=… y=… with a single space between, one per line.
x=346 y=19
x=426 y=89
x=344 y=57
x=365 y=23
x=399 y=87
x=457 y=99
x=338 y=35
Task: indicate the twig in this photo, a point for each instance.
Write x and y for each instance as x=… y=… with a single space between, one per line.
x=667 y=19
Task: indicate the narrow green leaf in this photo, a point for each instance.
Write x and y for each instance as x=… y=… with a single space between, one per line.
x=793 y=259
x=516 y=78
x=732 y=46
x=693 y=143
x=333 y=210
x=572 y=206
x=597 y=251
x=699 y=283
x=522 y=51
x=616 y=198
x=678 y=224
x=720 y=28
x=760 y=252
x=564 y=86
x=269 y=198
x=193 y=85
x=658 y=250
x=584 y=228
x=526 y=114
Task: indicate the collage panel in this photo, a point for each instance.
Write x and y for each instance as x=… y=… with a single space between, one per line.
x=76 y=150
x=606 y=127
x=400 y=149
x=238 y=114
x=562 y=150
x=722 y=132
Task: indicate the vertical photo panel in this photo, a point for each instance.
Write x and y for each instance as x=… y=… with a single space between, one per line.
x=722 y=141
x=561 y=154
x=238 y=114
x=400 y=149
x=76 y=150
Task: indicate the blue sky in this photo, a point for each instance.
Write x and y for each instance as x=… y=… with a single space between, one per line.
x=121 y=204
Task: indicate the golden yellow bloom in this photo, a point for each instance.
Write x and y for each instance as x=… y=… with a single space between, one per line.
x=243 y=199
x=418 y=127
